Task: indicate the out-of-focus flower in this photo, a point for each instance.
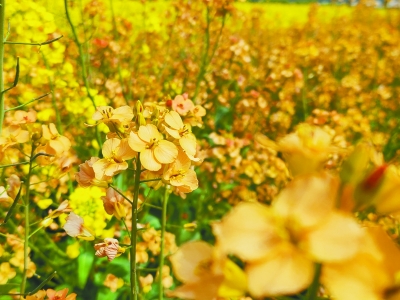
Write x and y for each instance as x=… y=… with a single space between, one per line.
x=114 y=204
x=23 y=117
x=13 y=135
x=60 y=295
x=146 y=282
x=37 y=296
x=109 y=248
x=282 y=242
x=205 y=275
x=305 y=151
x=113 y=282
x=74 y=227
x=154 y=150
x=115 y=152
x=55 y=143
x=6 y=272
x=86 y=176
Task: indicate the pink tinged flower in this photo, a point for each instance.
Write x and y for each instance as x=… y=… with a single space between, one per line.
x=182 y=105
x=154 y=150
x=109 y=248
x=86 y=176
x=74 y=227
x=24 y=117
x=181 y=132
x=115 y=152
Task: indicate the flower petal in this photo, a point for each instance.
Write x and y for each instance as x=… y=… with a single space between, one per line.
x=188 y=258
x=287 y=272
x=337 y=239
x=174 y=120
x=166 y=152
x=148 y=133
x=148 y=160
x=248 y=231
x=109 y=146
x=136 y=143
x=307 y=200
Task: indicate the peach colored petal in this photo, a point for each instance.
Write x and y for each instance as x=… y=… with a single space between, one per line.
x=136 y=143
x=286 y=272
x=73 y=225
x=248 y=231
x=166 y=152
x=53 y=129
x=188 y=143
x=186 y=261
x=307 y=200
x=172 y=132
x=46 y=132
x=123 y=114
x=124 y=151
x=148 y=160
x=205 y=289
x=149 y=132
x=57 y=146
x=115 y=168
x=65 y=142
x=109 y=146
x=97 y=116
x=99 y=168
x=336 y=239
x=174 y=120
x=358 y=278
x=23 y=136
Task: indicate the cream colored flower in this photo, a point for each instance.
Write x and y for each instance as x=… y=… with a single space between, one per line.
x=154 y=150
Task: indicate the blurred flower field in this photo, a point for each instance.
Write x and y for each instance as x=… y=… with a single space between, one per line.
x=199 y=150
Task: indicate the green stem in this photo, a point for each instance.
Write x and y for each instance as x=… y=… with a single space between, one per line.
x=34 y=44
x=26 y=103
x=16 y=164
x=134 y=287
x=126 y=227
x=119 y=192
x=205 y=54
x=313 y=289
x=53 y=98
x=2 y=17
x=149 y=180
x=26 y=240
x=83 y=65
x=162 y=246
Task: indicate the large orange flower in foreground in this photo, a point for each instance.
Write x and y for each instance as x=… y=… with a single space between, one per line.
x=154 y=150
x=281 y=243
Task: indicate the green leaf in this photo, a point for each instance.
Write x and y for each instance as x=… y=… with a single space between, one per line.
x=85 y=263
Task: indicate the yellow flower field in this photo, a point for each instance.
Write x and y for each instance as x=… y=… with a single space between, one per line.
x=199 y=150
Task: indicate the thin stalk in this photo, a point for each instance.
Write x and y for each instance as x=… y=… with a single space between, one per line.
x=2 y=18
x=163 y=225
x=313 y=289
x=82 y=63
x=123 y=196
x=134 y=287
x=205 y=54
x=26 y=240
x=53 y=98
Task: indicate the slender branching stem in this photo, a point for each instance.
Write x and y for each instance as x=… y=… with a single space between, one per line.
x=2 y=18
x=134 y=287
x=162 y=246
